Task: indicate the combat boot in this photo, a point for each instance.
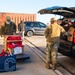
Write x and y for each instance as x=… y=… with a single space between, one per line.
x=48 y=65
x=53 y=67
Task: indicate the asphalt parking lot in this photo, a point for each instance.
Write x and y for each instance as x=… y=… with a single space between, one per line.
x=66 y=62
x=35 y=65
x=32 y=66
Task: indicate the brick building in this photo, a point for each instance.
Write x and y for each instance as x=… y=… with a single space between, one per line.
x=17 y=17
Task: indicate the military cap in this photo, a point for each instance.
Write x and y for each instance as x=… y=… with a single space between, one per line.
x=53 y=19
x=8 y=18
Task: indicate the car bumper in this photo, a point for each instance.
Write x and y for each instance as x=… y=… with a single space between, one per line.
x=65 y=47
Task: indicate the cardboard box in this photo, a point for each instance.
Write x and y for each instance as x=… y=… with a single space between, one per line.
x=16 y=50
x=70 y=31
x=15 y=42
x=7 y=63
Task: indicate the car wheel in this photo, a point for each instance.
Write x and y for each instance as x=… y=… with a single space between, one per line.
x=30 y=33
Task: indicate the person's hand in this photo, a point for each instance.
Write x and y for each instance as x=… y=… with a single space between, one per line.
x=14 y=33
x=68 y=34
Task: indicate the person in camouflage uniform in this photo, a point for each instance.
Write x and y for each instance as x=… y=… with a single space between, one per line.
x=52 y=35
x=9 y=27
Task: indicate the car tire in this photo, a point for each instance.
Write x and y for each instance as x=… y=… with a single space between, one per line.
x=29 y=33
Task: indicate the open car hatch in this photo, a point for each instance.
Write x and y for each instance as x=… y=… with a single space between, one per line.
x=63 y=11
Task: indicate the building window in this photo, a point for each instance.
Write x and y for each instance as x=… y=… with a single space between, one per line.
x=15 y=19
x=28 y=18
x=33 y=18
x=12 y=18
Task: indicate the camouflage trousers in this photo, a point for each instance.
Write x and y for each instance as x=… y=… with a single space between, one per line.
x=51 y=52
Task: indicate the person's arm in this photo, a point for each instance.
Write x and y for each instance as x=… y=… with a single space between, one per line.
x=19 y=28
x=4 y=29
x=62 y=29
x=14 y=29
x=48 y=31
x=64 y=32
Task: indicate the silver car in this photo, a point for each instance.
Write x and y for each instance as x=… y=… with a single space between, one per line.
x=33 y=27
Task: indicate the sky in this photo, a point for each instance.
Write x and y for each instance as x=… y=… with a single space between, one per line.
x=33 y=6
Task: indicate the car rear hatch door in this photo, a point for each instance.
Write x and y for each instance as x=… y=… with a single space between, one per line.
x=58 y=10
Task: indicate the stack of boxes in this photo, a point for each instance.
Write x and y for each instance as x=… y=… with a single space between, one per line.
x=13 y=44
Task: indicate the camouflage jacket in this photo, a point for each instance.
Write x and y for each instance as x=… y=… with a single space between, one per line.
x=52 y=32
x=9 y=28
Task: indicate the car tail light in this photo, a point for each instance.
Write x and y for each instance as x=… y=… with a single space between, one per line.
x=74 y=37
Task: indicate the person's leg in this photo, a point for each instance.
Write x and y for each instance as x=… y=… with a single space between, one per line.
x=48 y=56
x=54 y=55
x=22 y=37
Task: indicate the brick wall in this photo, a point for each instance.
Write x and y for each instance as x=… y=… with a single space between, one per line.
x=17 y=17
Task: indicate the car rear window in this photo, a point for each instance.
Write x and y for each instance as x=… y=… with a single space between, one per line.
x=28 y=24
